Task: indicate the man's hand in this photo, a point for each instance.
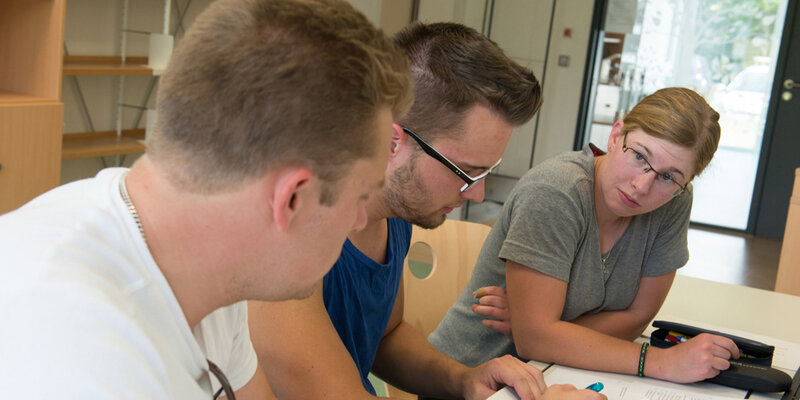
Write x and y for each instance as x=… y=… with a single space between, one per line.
x=493 y=304
x=485 y=379
x=482 y=381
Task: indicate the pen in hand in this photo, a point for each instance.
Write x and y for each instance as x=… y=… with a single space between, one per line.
x=597 y=386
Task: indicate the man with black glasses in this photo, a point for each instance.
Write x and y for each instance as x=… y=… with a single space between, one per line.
x=131 y=284
x=468 y=97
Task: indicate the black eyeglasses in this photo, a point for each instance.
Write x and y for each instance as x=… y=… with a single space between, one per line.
x=223 y=381
x=664 y=180
x=429 y=150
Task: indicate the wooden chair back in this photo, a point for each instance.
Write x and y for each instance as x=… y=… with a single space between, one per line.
x=453 y=250
x=455 y=246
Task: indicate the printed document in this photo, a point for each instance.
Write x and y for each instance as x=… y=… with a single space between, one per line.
x=628 y=387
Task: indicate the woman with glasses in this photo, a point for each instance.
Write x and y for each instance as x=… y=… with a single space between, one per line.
x=587 y=246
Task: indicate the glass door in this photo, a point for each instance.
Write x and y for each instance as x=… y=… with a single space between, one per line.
x=726 y=50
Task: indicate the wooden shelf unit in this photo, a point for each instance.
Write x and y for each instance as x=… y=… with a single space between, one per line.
x=101 y=144
x=31 y=112
x=108 y=143
x=106 y=65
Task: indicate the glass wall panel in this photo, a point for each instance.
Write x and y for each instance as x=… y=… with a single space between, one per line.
x=725 y=50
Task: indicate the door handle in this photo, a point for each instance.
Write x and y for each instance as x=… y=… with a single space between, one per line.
x=790 y=84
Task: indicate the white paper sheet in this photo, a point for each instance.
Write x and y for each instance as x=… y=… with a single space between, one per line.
x=627 y=387
x=505 y=393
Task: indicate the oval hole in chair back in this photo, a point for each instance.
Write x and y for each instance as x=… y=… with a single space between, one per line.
x=420 y=260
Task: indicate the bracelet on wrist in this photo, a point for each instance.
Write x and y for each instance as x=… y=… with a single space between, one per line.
x=642 y=353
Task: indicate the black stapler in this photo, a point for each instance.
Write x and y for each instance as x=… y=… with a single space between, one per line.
x=752 y=371
x=749 y=376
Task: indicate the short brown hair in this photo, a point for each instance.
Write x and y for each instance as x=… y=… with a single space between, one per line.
x=680 y=116
x=259 y=84
x=456 y=67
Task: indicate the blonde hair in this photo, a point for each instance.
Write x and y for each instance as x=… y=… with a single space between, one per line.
x=260 y=84
x=680 y=116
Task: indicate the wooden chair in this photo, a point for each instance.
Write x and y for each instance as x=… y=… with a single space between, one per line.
x=454 y=246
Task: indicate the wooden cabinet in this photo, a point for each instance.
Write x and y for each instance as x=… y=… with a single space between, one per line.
x=31 y=112
x=788 y=280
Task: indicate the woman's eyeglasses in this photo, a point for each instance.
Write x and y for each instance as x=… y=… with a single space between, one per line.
x=664 y=180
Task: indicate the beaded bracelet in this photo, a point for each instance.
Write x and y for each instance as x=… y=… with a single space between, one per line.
x=645 y=345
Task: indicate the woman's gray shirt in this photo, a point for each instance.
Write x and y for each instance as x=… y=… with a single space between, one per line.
x=548 y=223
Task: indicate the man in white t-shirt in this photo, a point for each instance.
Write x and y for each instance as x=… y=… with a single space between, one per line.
x=273 y=129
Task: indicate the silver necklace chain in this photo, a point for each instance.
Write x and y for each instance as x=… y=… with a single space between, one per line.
x=603 y=263
x=123 y=191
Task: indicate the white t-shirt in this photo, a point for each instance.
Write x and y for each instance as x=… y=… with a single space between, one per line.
x=87 y=313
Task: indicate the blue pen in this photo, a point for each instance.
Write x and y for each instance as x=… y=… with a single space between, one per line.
x=597 y=386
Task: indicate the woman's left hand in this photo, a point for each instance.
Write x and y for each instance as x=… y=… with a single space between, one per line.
x=493 y=304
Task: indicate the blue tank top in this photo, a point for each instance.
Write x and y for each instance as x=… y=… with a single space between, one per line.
x=359 y=295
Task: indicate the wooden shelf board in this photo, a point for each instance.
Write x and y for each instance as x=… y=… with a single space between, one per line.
x=105 y=65
x=7 y=97
x=101 y=144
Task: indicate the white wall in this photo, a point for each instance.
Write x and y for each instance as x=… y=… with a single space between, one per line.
x=468 y=12
x=526 y=31
x=521 y=29
x=562 y=85
x=389 y=15
x=370 y=8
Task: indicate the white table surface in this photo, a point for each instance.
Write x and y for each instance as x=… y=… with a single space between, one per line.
x=743 y=308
